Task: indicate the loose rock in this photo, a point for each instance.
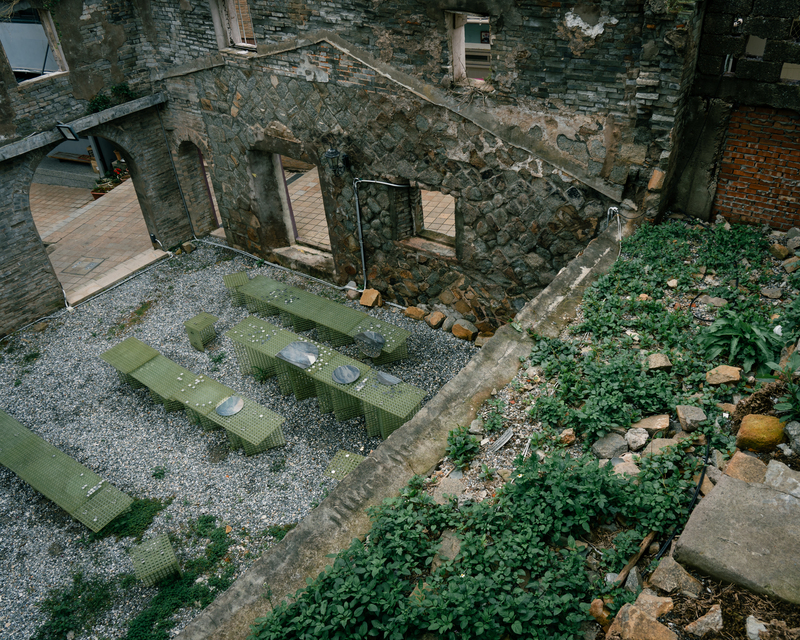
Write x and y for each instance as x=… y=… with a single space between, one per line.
x=723 y=374
x=611 y=446
x=653 y=424
x=690 y=417
x=653 y=604
x=636 y=438
x=746 y=468
x=792 y=431
x=371 y=298
x=435 y=319
x=658 y=362
x=631 y=623
x=759 y=433
x=709 y=623
x=754 y=627
x=671 y=576
x=415 y=312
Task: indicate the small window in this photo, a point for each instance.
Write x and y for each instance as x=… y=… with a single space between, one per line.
x=755 y=46
x=470 y=43
x=790 y=72
x=438 y=216
x=240 y=25
x=795 y=31
x=30 y=43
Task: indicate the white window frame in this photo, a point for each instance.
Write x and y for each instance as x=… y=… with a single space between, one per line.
x=51 y=33
x=229 y=24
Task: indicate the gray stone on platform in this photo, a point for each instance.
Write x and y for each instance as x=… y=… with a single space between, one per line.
x=747 y=534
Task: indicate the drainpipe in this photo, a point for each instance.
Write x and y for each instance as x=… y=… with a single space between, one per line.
x=356 y=182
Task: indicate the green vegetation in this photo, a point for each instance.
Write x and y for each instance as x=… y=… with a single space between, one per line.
x=519 y=573
x=279 y=531
x=494 y=418
x=132 y=319
x=120 y=93
x=159 y=473
x=461 y=447
x=134 y=522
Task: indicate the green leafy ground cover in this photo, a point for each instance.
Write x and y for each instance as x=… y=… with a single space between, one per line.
x=522 y=569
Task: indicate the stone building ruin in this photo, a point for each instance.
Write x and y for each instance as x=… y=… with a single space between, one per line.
x=560 y=111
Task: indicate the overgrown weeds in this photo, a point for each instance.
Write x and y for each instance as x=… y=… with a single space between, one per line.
x=133 y=318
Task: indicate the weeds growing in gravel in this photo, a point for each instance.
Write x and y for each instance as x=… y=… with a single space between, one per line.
x=461 y=447
x=135 y=317
x=134 y=522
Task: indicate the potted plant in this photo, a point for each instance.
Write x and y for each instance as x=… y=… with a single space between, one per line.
x=109 y=181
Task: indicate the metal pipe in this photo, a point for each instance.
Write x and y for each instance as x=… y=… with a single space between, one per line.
x=356 y=182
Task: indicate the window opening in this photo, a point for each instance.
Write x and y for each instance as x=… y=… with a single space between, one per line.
x=29 y=40
x=790 y=72
x=470 y=44
x=438 y=213
x=240 y=24
x=307 y=209
x=794 y=34
x=755 y=46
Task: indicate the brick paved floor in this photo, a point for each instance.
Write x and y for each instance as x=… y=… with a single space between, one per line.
x=309 y=212
x=438 y=211
x=93 y=239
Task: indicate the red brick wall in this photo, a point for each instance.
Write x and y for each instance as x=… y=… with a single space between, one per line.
x=759 y=180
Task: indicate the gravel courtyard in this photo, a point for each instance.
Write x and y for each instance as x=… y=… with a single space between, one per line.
x=56 y=385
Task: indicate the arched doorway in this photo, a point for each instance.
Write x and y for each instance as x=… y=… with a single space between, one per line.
x=87 y=213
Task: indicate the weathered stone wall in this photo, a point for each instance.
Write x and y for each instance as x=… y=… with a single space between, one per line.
x=728 y=77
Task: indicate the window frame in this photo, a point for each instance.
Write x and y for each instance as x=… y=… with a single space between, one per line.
x=225 y=15
x=54 y=43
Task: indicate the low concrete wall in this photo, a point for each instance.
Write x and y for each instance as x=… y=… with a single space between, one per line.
x=415 y=448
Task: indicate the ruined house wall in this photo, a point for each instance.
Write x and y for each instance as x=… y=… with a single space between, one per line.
x=738 y=102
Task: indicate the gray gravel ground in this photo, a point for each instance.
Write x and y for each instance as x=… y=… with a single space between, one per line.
x=75 y=401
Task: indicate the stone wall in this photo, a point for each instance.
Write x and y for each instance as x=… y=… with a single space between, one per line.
x=744 y=48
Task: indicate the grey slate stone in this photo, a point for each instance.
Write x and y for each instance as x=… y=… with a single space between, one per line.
x=747 y=534
x=792 y=431
x=611 y=446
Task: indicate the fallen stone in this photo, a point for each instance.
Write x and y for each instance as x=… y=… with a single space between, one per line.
x=655 y=446
x=652 y=604
x=567 y=437
x=747 y=534
x=476 y=427
x=447 y=487
x=792 y=431
x=352 y=294
x=633 y=582
x=415 y=312
x=746 y=468
x=759 y=433
x=706 y=486
x=505 y=474
x=435 y=319
x=723 y=374
x=690 y=417
x=709 y=623
x=779 y=251
x=448 y=323
x=754 y=627
x=465 y=330
x=626 y=469
x=371 y=298
x=773 y=293
x=611 y=446
x=672 y=284
x=718 y=459
x=188 y=247
x=791 y=265
x=782 y=478
x=727 y=407
x=658 y=362
x=449 y=547
x=643 y=297
x=601 y=613
x=636 y=438
x=482 y=339
x=653 y=424
x=670 y=576
x=714 y=302
x=794 y=232
x=631 y=623
x=793 y=244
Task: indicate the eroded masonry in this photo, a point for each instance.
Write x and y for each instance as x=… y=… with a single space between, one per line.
x=532 y=120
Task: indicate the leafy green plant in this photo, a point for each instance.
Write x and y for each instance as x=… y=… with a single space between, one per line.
x=133 y=522
x=217 y=358
x=279 y=531
x=159 y=473
x=122 y=93
x=98 y=103
x=789 y=404
x=494 y=418
x=738 y=341
x=76 y=607
x=487 y=473
x=30 y=357
x=461 y=447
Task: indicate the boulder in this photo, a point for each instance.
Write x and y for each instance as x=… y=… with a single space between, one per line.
x=448 y=487
x=653 y=424
x=658 y=362
x=465 y=330
x=759 y=433
x=653 y=604
x=448 y=323
x=656 y=445
x=632 y=623
x=611 y=446
x=791 y=265
x=746 y=468
x=690 y=417
x=414 y=312
x=723 y=374
x=671 y=576
x=371 y=298
x=709 y=623
x=636 y=438
x=782 y=478
x=747 y=534
x=779 y=251
x=435 y=319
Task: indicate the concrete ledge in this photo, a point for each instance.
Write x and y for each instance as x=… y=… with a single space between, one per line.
x=415 y=448
x=118 y=273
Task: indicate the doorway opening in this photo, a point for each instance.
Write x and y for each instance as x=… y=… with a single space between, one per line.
x=93 y=237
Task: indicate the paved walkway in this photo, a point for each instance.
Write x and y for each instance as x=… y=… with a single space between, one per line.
x=309 y=212
x=438 y=212
x=93 y=243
